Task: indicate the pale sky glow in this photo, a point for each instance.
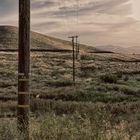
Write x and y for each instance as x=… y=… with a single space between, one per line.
x=136 y=8
x=99 y=22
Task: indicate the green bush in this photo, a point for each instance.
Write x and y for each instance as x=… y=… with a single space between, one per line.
x=60 y=83
x=86 y=57
x=109 y=78
x=119 y=75
x=126 y=78
x=128 y=91
x=138 y=79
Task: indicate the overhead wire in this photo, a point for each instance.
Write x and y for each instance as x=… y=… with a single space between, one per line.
x=65 y=17
x=77 y=15
x=69 y=24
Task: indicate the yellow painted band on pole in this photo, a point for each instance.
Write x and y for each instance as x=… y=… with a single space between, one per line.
x=23 y=106
x=23 y=80
x=24 y=93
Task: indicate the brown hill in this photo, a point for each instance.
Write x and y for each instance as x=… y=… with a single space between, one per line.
x=9 y=40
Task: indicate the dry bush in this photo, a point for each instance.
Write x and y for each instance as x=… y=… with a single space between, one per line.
x=109 y=78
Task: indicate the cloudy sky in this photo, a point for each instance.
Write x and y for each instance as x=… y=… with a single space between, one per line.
x=98 y=22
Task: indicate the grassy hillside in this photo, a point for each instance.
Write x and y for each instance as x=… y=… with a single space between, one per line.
x=104 y=103
x=9 y=40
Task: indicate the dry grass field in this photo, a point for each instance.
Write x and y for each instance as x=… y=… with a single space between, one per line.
x=104 y=103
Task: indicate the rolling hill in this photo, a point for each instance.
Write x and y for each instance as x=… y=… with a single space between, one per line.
x=116 y=49
x=122 y=50
x=9 y=40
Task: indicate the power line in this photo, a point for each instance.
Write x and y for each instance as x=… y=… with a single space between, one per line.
x=77 y=10
x=65 y=19
x=77 y=47
x=74 y=8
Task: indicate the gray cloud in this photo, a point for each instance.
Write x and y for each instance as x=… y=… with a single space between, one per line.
x=108 y=7
x=43 y=4
x=8 y=7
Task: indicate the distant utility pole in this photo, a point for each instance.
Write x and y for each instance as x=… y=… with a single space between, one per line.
x=73 y=47
x=24 y=68
x=77 y=47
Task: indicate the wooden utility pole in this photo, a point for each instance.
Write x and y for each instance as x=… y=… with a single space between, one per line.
x=73 y=48
x=24 y=68
x=76 y=47
x=73 y=44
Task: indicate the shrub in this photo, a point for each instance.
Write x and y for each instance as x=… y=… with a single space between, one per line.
x=86 y=57
x=119 y=75
x=60 y=83
x=109 y=78
x=129 y=91
x=138 y=79
x=126 y=78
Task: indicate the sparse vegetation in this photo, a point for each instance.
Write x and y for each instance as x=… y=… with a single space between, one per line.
x=71 y=127
x=104 y=104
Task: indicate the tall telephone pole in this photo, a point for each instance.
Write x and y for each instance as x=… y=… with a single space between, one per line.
x=73 y=48
x=24 y=68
